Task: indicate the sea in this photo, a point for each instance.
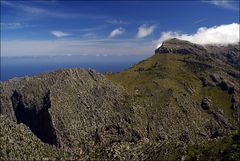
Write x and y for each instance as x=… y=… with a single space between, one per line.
x=29 y=66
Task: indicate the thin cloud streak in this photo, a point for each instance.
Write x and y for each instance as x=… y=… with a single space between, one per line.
x=14 y=25
x=90 y=29
x=44 y=12
x=200 y=21
x=227 y=4
x=117 y=22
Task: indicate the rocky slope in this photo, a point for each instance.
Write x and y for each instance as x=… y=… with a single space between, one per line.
x=228 y=54
x=69 y=108
x=175 y=105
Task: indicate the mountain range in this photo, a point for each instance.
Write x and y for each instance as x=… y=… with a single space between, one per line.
x=182 y=103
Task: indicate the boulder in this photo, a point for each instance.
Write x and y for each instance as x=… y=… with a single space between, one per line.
x=206 y=103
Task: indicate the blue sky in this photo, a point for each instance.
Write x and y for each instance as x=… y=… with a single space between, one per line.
x=32 y=28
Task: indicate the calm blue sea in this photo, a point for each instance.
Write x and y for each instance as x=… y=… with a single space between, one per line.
x=28 y=66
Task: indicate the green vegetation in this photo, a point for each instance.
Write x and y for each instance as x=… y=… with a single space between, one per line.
x=227 y=148
x=169 y=80
x=161 y=76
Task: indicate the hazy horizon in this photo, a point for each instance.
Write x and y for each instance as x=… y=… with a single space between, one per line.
x=32 y=65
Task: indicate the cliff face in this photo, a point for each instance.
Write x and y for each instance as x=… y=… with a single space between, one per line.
x=156 y=110
x=228 y=54
x=180 y=47
x=67 y=108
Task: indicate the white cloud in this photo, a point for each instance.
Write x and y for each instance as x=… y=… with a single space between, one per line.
x=59 y=33
x=116 y=32
x=227 y=4
x=218 y=35
x=145 y=30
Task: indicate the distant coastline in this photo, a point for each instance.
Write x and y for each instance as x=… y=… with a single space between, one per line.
x=32 y=65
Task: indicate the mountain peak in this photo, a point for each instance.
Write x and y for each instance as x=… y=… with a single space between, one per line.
x=228 y=54
x=178 y=46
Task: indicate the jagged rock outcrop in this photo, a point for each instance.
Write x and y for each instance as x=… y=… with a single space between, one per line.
x=68 y=108
x=228 y=54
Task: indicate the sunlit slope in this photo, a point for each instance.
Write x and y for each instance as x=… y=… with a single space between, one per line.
x=169 y=91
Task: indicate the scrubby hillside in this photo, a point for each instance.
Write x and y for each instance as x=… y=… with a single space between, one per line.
x=174 y=105
x=184 y=94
